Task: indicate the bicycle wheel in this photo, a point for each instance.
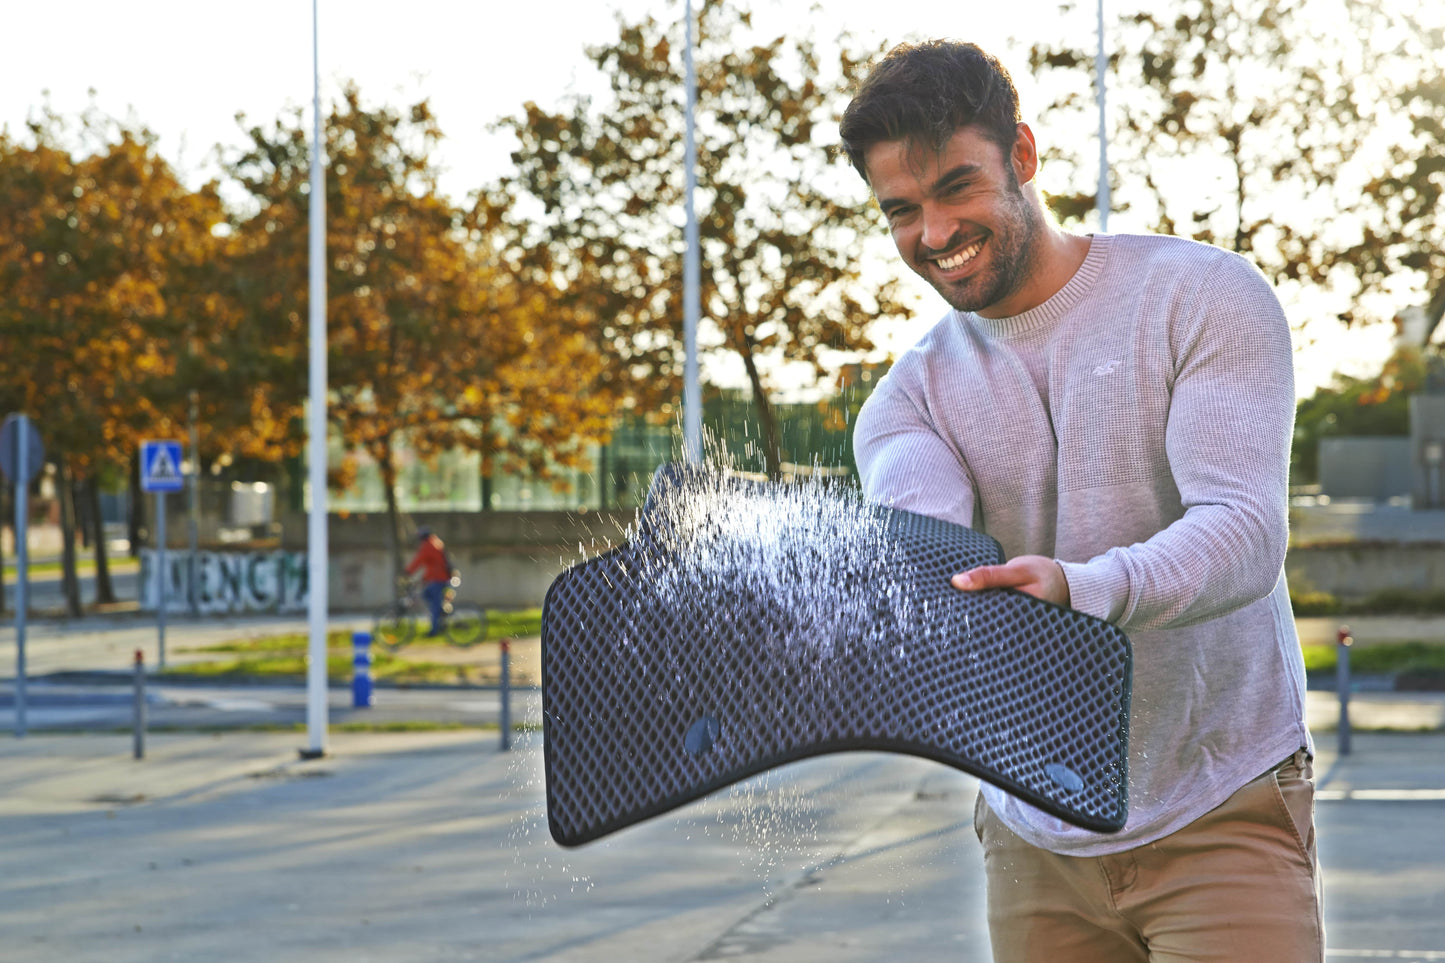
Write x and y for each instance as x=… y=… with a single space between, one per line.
x=467 y=624
x=394 y=626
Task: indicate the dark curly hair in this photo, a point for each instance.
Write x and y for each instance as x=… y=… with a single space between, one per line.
x=926 y=92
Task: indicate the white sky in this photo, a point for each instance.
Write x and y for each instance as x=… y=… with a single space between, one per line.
x=185 y=69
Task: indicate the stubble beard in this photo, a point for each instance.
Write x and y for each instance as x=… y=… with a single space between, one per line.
x=1012 y=253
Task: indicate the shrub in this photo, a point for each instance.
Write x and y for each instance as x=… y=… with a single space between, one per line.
x=1401 y=602
x=1386 y=602
x=1307 y=604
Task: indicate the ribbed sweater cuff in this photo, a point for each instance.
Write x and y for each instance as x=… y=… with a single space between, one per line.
x=1098 y=587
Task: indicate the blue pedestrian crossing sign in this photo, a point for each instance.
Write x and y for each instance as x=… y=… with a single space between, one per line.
x=160 y=467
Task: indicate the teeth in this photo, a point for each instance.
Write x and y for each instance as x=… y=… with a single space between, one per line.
x=961 y=258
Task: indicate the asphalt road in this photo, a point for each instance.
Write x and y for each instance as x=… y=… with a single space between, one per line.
x=45 y=592
x=68 y=707
x=80 y=676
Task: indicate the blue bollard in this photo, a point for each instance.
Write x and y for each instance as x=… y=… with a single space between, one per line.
x=504 y=691
x=361 y=697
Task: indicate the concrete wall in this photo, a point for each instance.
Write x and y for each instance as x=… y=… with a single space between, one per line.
x=1358 y=569
x=507 y=559
x=1378 y=468
x=1427 y=441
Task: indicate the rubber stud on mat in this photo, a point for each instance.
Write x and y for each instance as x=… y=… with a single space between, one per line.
x=701 y=736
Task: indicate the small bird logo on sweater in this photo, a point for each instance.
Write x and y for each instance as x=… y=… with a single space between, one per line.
x=1107 y=368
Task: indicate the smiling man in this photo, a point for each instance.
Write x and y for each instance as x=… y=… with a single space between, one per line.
x=1116 y=411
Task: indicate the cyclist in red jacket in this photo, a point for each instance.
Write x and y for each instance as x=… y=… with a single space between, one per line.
x=436 y=573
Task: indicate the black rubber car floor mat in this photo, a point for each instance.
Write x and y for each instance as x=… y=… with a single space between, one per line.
x=746 y=625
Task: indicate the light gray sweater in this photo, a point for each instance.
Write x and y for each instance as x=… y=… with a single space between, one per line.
x=1154 y=467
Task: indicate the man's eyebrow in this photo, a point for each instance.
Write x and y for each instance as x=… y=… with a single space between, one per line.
x=958 y=172
x=887 y=204
x=954 y=173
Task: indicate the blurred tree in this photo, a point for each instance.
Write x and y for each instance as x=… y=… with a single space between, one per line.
x=1267 y=127
x=96 y=242
x=1405 y=217
x=595 y=208
x=1377 y=405
x=427 y=338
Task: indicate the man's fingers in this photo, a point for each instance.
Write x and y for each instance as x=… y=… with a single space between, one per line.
x=992 y=576
x=1036 y=575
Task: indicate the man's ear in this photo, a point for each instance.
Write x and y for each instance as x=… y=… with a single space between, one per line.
x=1025 y=155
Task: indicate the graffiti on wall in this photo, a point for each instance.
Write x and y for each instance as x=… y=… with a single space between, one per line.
x=227 y=582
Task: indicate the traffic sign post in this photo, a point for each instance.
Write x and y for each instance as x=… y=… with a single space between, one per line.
x=161 y=580
x=160 y=472
x=21 y=457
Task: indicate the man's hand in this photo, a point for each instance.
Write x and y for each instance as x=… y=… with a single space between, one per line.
x=1036 y=575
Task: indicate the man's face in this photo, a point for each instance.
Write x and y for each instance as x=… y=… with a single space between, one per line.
x=959 y=218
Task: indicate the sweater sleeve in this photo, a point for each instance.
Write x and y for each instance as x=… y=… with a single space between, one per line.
x=902 y=459
x=1227 y=440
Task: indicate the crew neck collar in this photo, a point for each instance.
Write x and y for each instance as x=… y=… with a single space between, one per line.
x=1056 y=307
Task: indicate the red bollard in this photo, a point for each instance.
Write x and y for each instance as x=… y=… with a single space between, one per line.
x=1342 y=685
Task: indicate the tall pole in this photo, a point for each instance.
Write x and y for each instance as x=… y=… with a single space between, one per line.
x=691 y=393
x=316 y=547
x=1101 y=64
x=22 y=563
x=162 y=580
x=193 y=508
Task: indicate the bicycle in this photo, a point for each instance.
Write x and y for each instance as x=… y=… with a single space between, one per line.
x=464 y=624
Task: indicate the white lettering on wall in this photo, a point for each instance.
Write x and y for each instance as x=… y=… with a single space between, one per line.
x=227 y=582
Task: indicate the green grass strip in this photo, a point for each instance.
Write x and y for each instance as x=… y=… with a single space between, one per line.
x=83 y=566
x=1385 y=658
x=524 y=623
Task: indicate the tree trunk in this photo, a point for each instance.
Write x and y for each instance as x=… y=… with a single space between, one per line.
x=772 y=447
x=134 y=506
x=1434 y=311
x=70 y=582
x=388 y=482
x=84 y=524
x=484 y=472
x=1234 y=138
x=104 y=590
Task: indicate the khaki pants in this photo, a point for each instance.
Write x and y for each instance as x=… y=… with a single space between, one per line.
x=1238 y=884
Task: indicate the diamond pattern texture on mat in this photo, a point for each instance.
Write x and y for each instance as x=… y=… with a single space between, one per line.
x=665 y=680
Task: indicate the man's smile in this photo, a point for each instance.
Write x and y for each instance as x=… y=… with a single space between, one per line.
x=959 y=258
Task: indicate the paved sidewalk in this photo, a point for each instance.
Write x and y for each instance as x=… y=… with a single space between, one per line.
x=433 y=846
x=76 y=772
x=1384 y=711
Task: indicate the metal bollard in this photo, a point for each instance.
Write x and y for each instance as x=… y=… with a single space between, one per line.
x=361 y=690
x=139 y=716
x=1342 y=685
x=505 y=692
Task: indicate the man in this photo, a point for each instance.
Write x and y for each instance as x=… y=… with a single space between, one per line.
x=436 y=573
x=1117 y=412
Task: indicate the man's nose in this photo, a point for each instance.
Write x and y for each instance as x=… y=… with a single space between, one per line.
x=938 y=229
